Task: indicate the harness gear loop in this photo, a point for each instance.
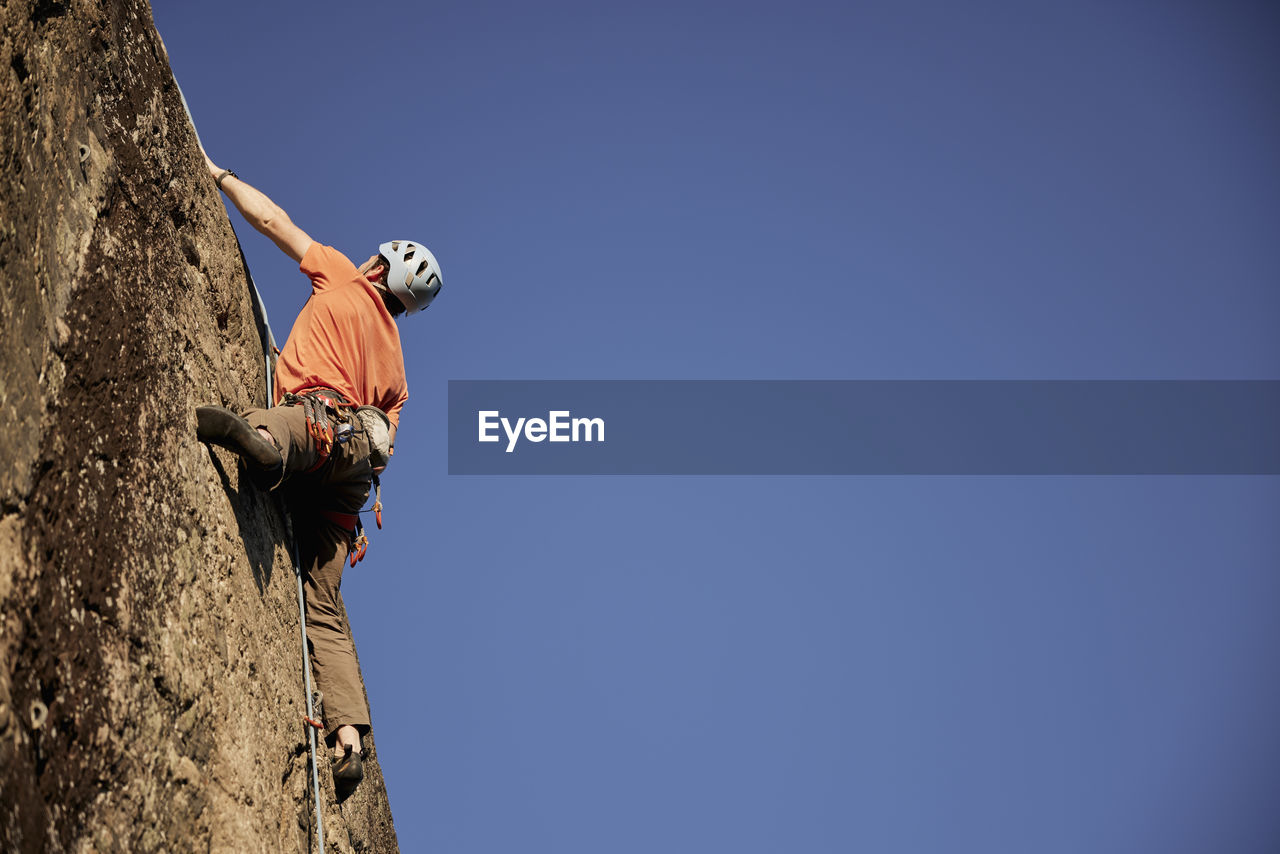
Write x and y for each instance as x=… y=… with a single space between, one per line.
x=317 y=404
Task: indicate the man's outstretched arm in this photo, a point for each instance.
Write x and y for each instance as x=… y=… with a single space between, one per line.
x=263 y=214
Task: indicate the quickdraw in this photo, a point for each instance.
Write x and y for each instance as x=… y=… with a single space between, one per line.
x=317 y=404
x=318 y=425
x=359 y=543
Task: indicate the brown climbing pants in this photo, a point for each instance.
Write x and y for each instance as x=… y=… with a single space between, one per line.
x=341 y=485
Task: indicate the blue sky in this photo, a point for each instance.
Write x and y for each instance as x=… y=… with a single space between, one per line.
x=914 y=190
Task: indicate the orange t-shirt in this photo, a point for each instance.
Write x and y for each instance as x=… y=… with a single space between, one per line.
x=344 y=338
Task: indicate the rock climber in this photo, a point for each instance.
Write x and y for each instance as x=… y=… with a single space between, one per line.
x=339 y=387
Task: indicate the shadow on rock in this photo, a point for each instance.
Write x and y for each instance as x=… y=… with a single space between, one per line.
x=251 y=506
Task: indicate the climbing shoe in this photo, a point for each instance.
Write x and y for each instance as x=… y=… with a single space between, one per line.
x=349 y=770
x=219 y=426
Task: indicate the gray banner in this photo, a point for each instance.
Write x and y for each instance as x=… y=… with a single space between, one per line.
x=864 y=427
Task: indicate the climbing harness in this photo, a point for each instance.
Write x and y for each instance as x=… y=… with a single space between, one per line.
x=328 y=414
x=358 y=541
x=268 y=348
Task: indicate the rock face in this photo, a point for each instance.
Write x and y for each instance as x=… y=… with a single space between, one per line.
x=151 y=691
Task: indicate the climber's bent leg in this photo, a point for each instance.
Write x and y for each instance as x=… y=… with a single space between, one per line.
x=219 y=426
x=288 y=427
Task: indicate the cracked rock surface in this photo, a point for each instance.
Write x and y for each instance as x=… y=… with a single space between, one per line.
x=151 y=693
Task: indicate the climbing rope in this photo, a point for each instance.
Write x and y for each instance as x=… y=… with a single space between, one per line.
x=269 y=346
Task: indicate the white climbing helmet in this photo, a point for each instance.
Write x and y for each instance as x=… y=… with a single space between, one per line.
x=414 y=276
